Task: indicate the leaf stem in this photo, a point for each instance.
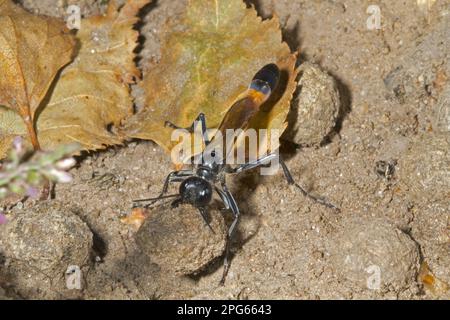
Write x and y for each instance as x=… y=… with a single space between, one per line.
x=29 y=121
x=32 y=132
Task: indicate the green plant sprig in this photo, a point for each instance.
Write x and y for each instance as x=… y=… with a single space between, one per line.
x=22 y=174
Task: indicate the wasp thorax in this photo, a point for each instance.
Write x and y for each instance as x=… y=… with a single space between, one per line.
x=196 y=191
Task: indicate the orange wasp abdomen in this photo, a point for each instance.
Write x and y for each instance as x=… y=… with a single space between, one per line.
x=263 y=84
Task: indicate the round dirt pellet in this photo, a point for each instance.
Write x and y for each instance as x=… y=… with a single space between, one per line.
x=179 y=241
x=424 y=168
x=314 y=112
x=373 y=254
x=49 y=241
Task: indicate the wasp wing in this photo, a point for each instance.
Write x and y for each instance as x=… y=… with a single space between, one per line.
x=232 y=129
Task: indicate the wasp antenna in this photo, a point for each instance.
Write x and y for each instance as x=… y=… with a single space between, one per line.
x=156 y=199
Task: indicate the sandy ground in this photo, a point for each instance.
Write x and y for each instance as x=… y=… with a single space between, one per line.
x=386 y=165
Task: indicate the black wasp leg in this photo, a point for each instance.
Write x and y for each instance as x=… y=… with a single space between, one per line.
x=223 y=196
x=265 y=160
x=231 y=203
x=254 y=164
x=174 y=176
x=204 y=213
x=291 y=180
x=233 y=206
x=200 y=118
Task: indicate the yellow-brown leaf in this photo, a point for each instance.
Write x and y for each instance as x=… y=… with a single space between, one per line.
x=209 y=57
x=32 y=51
x=92 y=95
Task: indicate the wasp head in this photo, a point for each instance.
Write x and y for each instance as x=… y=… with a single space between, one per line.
x=196 y=191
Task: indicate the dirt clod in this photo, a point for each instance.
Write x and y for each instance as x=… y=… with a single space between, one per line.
x=374 y=254
x=3 y=294
x=59 y=8
x=313 y=114
x=425 y=167
x=179 y=241
x=48 y=241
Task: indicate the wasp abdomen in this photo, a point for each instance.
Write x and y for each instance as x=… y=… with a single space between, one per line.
x=266 y=79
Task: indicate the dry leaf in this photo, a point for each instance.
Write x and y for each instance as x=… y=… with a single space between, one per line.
x=32 y=51
x=208 y=59
x=136 y=218
x=92 y=95
x=10 y=124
